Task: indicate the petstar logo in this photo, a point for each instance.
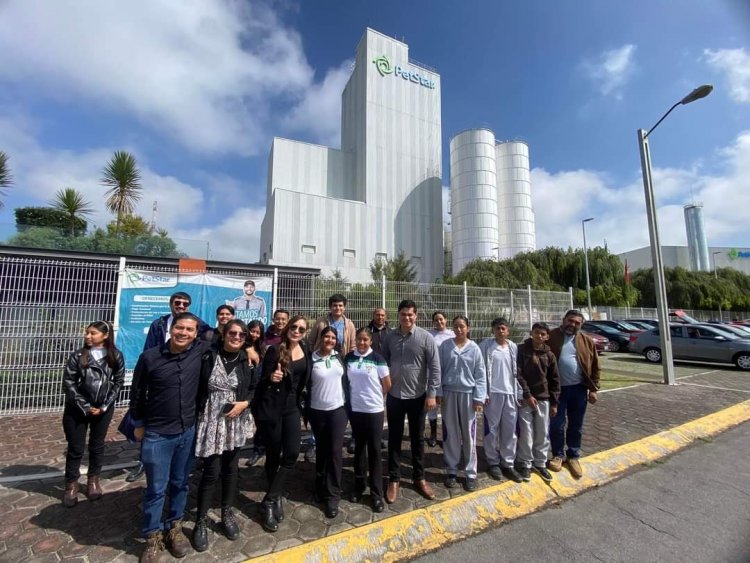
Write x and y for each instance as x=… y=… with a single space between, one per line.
x=383 y=64
x=734 y=254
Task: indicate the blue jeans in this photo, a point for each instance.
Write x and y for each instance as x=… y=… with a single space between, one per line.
x=167 y=460
x=573 y=401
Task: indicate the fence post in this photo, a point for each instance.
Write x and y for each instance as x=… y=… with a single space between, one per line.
x=531 y=321
x=274 y=293
x=466 y=301
x=570 y=293
x=382 y=293
x=120 y=276
x=512 y=315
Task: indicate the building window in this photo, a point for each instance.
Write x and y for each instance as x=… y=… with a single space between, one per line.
x=350 y=253
x=308 y=249
x=381 y=256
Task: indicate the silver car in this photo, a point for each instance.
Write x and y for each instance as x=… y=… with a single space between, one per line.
x=696 y=342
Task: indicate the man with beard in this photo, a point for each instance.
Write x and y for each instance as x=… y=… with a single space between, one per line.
x=578 y=363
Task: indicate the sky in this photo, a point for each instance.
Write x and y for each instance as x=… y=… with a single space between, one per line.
x=197 y=89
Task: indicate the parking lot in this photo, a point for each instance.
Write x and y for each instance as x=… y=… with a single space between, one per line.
x=625 y=369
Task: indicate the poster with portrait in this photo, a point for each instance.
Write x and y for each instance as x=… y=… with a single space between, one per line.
x=144 y=297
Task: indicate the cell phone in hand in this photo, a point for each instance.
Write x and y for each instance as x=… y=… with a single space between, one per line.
x=227 y=409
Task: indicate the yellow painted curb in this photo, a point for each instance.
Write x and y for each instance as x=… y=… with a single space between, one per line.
x=419 y=531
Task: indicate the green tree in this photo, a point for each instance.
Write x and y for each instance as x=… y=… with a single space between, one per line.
x=131 y=226
x=6 y=178
x=72 y=203
x=27 y=217
x=397 y=269
x=123 y=177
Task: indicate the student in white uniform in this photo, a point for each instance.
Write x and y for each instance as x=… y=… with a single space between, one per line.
x=440 y=333
x=501 y=406
x=369 y=380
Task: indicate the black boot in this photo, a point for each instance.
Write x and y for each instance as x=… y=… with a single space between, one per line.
x=200 y=534
x=231 y=528
x=278 y=509
x=267 y=519
x=432 y=440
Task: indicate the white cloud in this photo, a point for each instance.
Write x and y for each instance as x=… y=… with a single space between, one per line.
x=236 y=238
x=319 y=111
x=204 y=73
x=735 y=65
x=40 y=172
x=561 y=200
x=612 y=69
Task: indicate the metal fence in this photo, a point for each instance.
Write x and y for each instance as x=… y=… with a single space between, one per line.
x=45 y=305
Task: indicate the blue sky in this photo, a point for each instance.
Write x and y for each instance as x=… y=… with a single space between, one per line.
x=196 y=90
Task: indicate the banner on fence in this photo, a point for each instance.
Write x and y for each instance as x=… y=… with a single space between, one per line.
x=144 y=296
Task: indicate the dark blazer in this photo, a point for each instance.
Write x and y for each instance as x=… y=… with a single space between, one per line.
x=246 y=376
x=271 y=398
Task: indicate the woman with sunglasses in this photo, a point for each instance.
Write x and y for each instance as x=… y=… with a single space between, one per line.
x=327 y=414
x=226 y=385
x=276 y=409
x=92 y=381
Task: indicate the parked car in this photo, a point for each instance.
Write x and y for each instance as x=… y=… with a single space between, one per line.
x=645 y=324
x=617 y=340
x=601 y=342
x=696 y=342
x=740 y=331
x=622 y=326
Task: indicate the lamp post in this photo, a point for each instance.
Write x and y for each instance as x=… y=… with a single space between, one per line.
x=716 y=277
x=586 y=262
x=662 y=312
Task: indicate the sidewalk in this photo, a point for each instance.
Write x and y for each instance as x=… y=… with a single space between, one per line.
x=36 y=527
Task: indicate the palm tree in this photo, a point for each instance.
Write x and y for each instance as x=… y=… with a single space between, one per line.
x=124 y=179
x=71 y=202
x=6 y=178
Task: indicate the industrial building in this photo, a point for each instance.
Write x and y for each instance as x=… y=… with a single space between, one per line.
x=696 y=238
x=377 y=196
x=679 y=256
x=491 y=211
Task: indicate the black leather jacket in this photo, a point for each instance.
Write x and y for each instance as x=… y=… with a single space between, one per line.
x=97 y=385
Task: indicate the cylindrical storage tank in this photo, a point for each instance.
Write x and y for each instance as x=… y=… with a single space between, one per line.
x=473 y=197
x=696 y=238
x=515 y=213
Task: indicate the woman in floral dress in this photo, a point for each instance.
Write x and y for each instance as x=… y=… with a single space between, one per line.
x=226 y=386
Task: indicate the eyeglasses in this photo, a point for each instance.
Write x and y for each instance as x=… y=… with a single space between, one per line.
x=178 y=302
x=236 y=333
x=298 y=328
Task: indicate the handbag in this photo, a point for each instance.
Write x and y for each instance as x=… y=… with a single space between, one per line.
x=127 y=427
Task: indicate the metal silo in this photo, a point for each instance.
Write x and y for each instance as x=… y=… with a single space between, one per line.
x=696 y=238
x=473 y=197
x=515 y=214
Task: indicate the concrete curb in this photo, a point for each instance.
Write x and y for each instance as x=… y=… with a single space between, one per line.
x=427 y=529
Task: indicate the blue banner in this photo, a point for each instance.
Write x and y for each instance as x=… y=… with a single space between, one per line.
x=144 y=297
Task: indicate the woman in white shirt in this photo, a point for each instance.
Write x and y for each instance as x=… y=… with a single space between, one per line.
x=327 y=415
x=368 y=380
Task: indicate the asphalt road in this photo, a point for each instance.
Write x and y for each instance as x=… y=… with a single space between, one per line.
x=694 y=506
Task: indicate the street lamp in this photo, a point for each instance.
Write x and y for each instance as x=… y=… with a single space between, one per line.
x=662 y=313
x=716 y=277
x=586 y=262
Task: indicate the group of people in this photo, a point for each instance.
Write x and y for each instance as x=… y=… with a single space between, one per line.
x=196 y=390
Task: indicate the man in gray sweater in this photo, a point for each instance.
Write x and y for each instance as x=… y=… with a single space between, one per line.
x=412 y=356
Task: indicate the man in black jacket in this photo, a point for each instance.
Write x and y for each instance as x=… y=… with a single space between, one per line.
x=163 y=405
